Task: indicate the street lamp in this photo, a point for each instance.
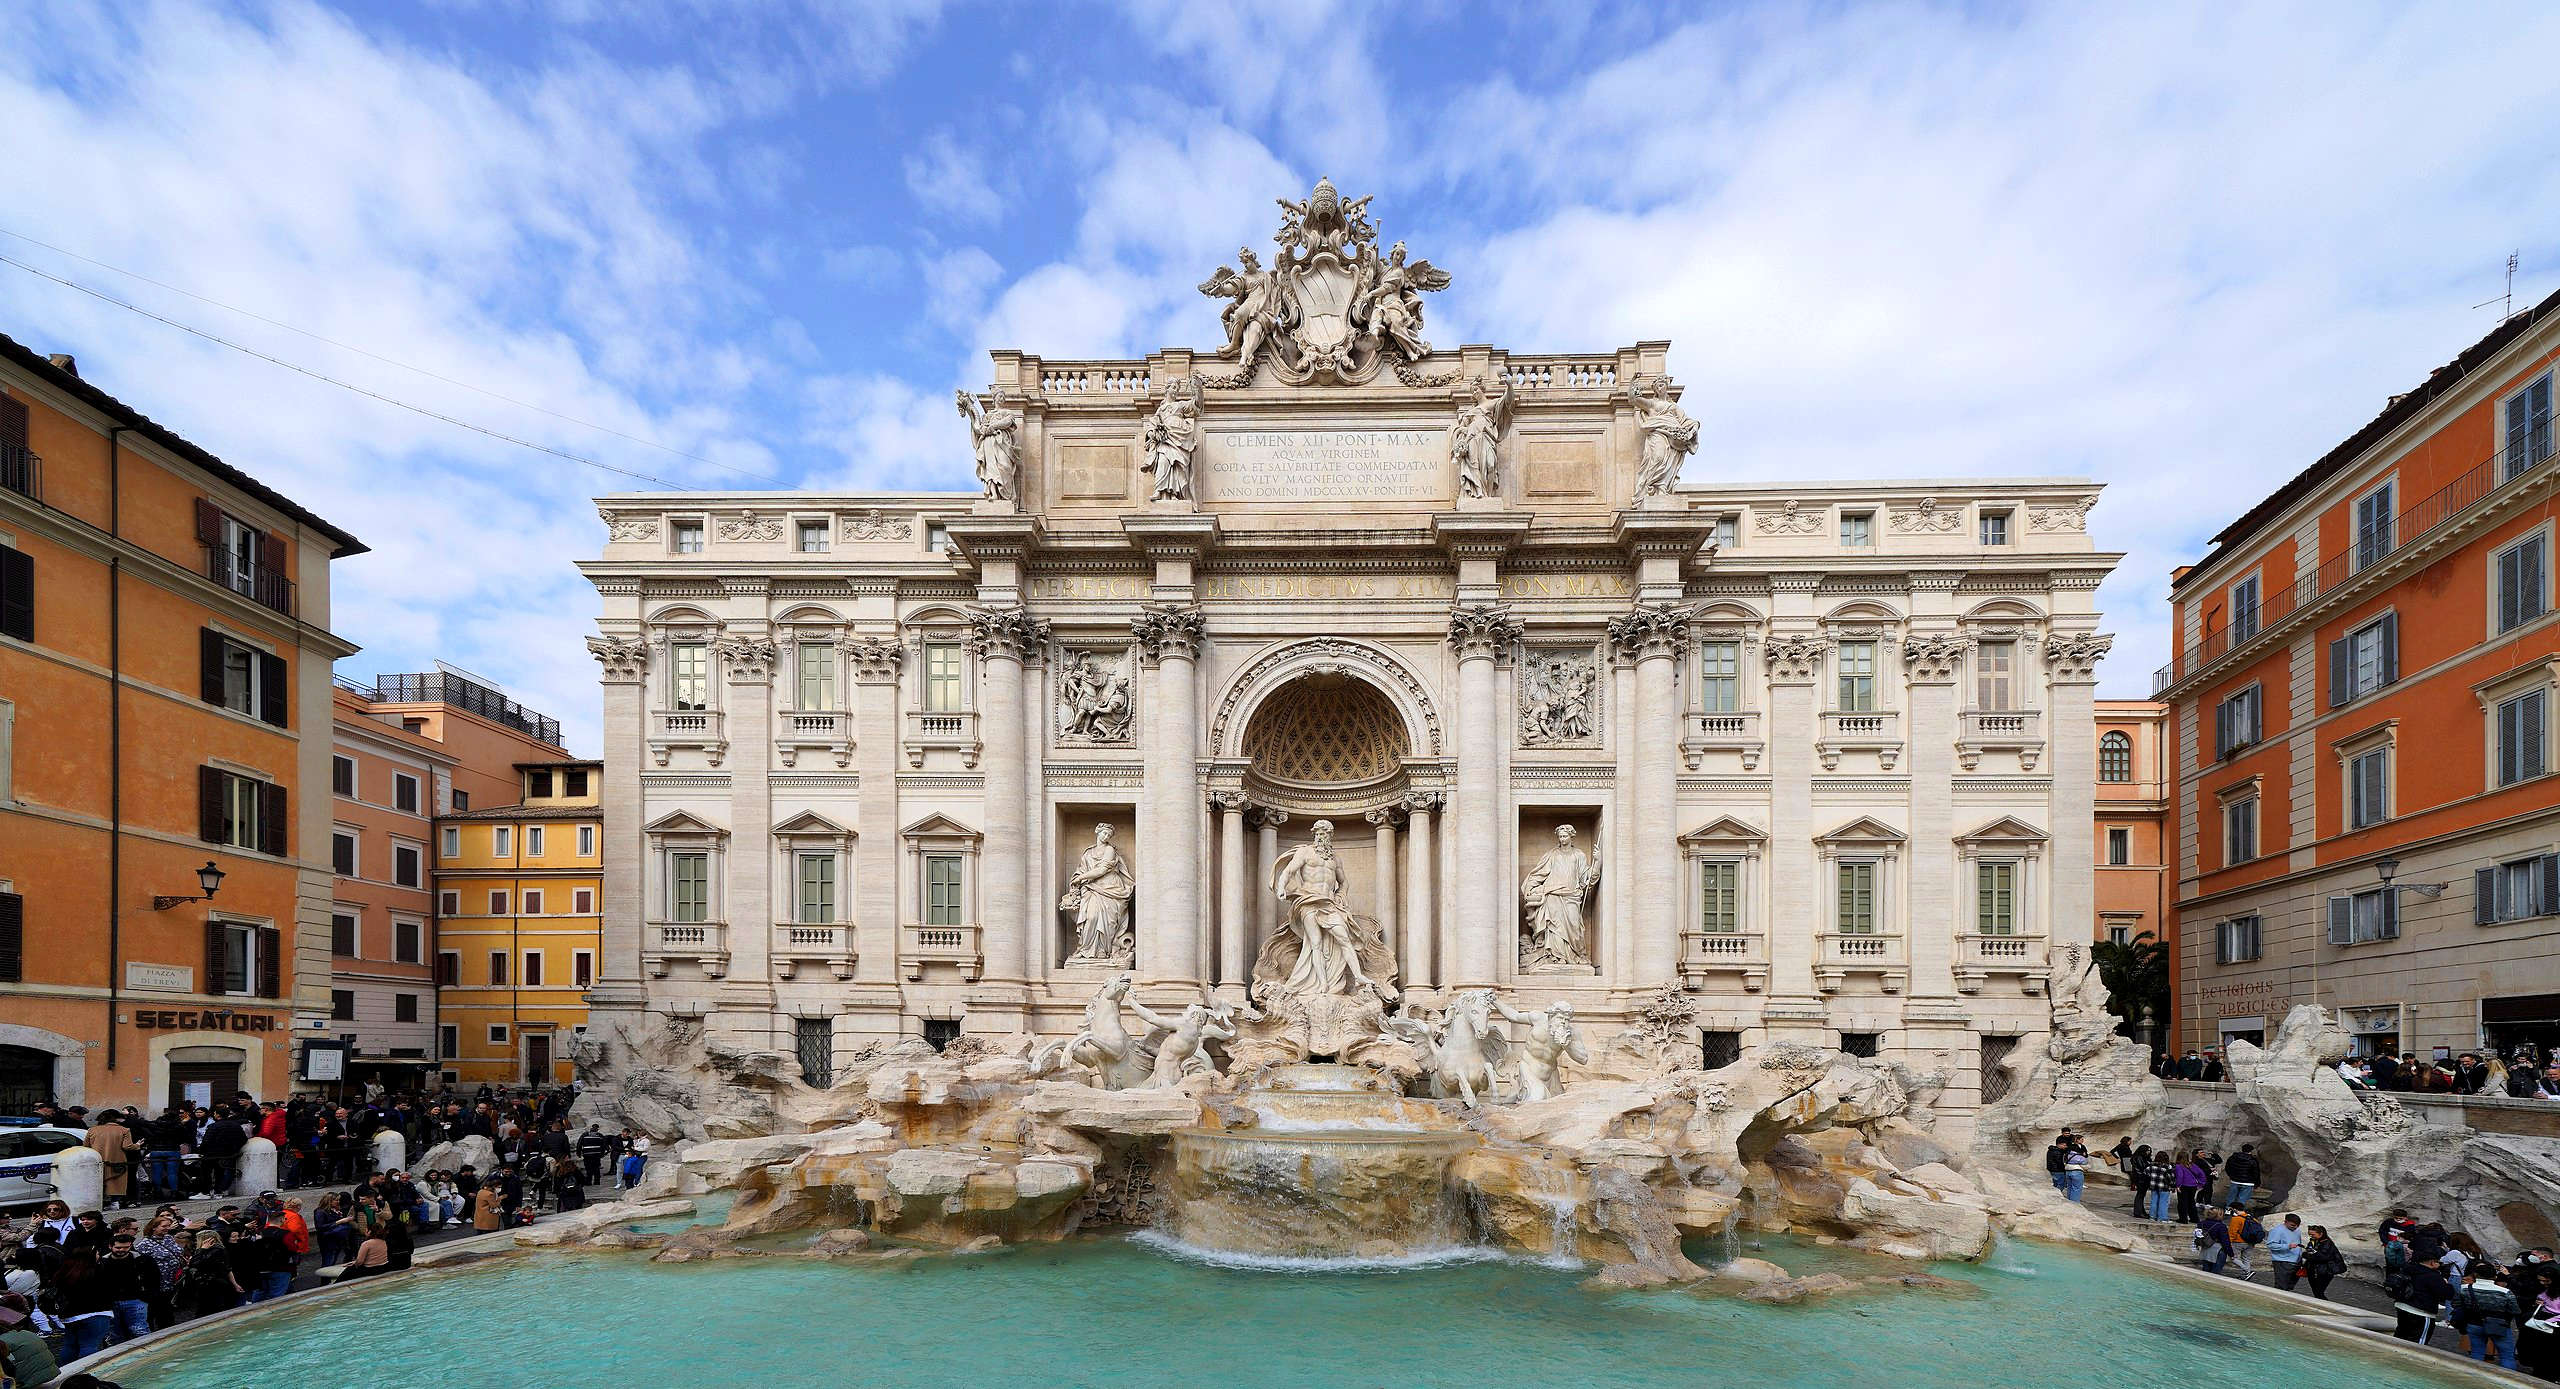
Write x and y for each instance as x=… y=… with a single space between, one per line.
x=208 y=877
x=2389 y=868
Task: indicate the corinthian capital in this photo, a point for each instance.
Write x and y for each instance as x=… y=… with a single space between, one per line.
x=2073 y=657
x=1011 y=632
x=749 y=660
x=625 y=660
x=1794 y=659
x=1934 y=658
x=1651 y=631
x=1483 y=631
x=1169 y=631
x=873 y=660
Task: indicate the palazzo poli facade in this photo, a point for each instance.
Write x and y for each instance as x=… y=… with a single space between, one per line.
x=901 y=763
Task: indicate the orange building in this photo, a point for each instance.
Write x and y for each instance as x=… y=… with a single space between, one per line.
x=2134 y=893
x=164 y=706
x=2362 y=695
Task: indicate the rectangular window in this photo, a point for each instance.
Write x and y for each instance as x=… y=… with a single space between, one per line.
x=533 y=901
x=1995 y=666
x=239 y=679
x=2373 y=527
x=689 y=887
x=582 y=901
x=537 y=785
x=942 y=677
x=2522 y=572
x=342 y=777
x=497 y=967
x=448 y=968
x=342 y=935
x=241 y=959
x=1995 y=528
x=2516 y=890
x=2528 y=428
x=1720 y=676
x=2520 y=733
x=407 y=941
x=449 y=903
x=817 y=896
x=1727 y=532
x=497 y=1034
x=240 y=813
x=1720 y=896
x=404 y=865
x=2236 y=723
x=685 y=537
x=2237 y=940
x=342 y=853
x=937 y=538
x=1858 y=898
x=815 y=1040
x=342 y=1005
x=1857 y=677
x=1857 y=528
x=404 y=1007
x=689 y=671
x=586 y=841
x=502 y=842
x=533 y=841
x=573 y=783
x=817 y=665
x=2119 y=846
x=452 y=839
x=942 y=890
x=2240 y=830
x=461 y=801
x=448 y=1041
x=404 y=793
x=497 y=902
x=533 y=969
x=17 y=590
x=813 y=537
x=2364 y=660
x=2368 y=775
x=1865 y=1044
x=2364 y=917
x=1995 y=899
x=582 y=968
x=2244 y=610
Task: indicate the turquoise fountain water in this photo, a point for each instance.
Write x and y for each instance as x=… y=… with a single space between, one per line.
x=1118 y=1314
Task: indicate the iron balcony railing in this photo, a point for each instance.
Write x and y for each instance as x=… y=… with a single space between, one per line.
x=268 y=588
x=470 y=696
x=22 y=472
x=2412 y=525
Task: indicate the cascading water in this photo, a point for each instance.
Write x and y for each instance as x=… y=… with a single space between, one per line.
x=1332 y=1165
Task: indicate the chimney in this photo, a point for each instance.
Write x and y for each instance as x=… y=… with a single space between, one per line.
x=70 y=366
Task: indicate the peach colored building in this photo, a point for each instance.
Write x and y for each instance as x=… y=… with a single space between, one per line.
x=2134 y=893
x=164 y=706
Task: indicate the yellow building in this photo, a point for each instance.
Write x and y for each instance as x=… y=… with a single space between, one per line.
x=519 y=926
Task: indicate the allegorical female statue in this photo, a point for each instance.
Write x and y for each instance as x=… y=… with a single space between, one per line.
x=1670 y=436
x=991 y=437
x=1098 y=895
x=1553 y=898
x=1475 y=441
x=1170 y=436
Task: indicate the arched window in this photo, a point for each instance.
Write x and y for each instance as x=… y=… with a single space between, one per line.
x=2115 y=758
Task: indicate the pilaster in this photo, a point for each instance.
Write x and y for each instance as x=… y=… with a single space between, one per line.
x=873 y=663
x=1170 y=925
x=1795 y=1011
x=1653 y=638
x=1482 y=634
x=1003 y=637
x=624 y=660
x=747 y=663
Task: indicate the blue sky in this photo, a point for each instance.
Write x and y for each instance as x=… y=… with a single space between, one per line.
x=2181 y=249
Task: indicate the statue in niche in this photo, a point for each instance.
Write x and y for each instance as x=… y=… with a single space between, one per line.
x=1170 y=436
x=1253 y=292
x=1475 y=441
x=1554 y=897
x=992 y=438
x=1098 y=895
x=1321 y=950
x=1551 y=1042
x=1557 y=699
x=1183 y=1050
x=1093 y=699
x=1670 y=436
x=1118 y=1061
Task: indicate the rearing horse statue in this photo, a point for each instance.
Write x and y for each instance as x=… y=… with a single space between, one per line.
x=1460 y=1049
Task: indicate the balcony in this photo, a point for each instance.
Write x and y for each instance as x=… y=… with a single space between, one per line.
x=797 y=732
x=1842 y=955
x=1703 y=953
x=929 y=731
x=919 y=946
x=705 y=943
x=260 y=584
x=797 y=943
x=1737 y=732
x=1878 y=731
x=670 y=729
x=2000 y=730
x=22 y=472
x=1979 y=958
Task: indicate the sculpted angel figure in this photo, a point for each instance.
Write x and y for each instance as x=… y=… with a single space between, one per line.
x=1553 y=897
x=991 y=436
x=1247 y=318
x=1395 y=311
x=1098 y=894
x=1475 y=441
x=1309 y=880
x=1169 y=437
x=1670 y=436
x=1551 y=1042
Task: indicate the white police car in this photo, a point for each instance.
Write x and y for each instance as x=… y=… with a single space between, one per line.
x=27 y=1147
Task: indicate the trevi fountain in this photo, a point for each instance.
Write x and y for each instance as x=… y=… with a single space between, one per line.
x=1460 y=906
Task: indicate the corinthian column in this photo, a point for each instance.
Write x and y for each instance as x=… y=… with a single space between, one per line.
x=1652 y=638
x=1414 y=960
x=1170 y=808
x=1383 y=819
x=1233 y=924
x=1004 y=638
x=1482 y=634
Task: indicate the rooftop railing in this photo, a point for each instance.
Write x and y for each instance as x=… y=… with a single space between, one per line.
x=470 y=696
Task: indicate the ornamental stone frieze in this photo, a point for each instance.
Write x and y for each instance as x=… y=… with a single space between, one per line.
x=873 y=660
x=1169 y=631
x=1793 y=520
x=1927 y=519
x=1933 y=658
x=625 y=661
x=1010 y=632
x=2073 y=657
x=2060 y=516
x=748 y=660
x=877 y=525
x=747 y=526
x=630 y=528
x=1483 y=631
x=1649 y=632
x=1795 y=659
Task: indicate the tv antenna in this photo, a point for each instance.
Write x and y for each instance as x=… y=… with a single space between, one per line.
x=2506 y=302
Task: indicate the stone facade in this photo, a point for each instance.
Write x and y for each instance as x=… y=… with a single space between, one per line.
x=1432 y=597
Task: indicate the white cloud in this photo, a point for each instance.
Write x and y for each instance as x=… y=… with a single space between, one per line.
x=952 y=181
x=863 y=263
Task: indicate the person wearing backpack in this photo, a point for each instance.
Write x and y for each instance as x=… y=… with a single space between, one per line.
x=2246 y=1234
x=2322 y=1261
x=2488 y=1313
x=2243 y=1171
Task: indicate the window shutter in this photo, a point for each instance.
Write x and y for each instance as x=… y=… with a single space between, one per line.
x=271 y=553
x=271 y=818
x=2390 y=647
x=213 y=957
x=2337 y=672
x=2530 y=717
x=270 y=962
x=209 y=653
x=2222 y=730
x=13 y=422
x=209 y=788
x=2484 y=896
x=17 y=594
x=2529 y=582
x=13 y=937
x=2546 y=880
x=274 y=700
x=208 y=522
x=2342 y=922
x=2390 y=927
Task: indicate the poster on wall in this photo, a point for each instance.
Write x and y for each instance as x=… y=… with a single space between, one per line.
x=322 y=1061
x=200 y=1093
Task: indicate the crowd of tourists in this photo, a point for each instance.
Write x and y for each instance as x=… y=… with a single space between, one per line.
x=2517 y=1077
x=80 y=1281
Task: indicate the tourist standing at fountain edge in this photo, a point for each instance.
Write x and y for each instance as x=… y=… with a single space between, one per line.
x=2066 y=1161
x=2322 y=1261
x=2421 y=1298
x=2284 y=1250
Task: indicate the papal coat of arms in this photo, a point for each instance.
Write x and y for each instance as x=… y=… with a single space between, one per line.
x=1329 y=308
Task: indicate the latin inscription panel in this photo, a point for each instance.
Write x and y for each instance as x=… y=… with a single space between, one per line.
x=1325 y=465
